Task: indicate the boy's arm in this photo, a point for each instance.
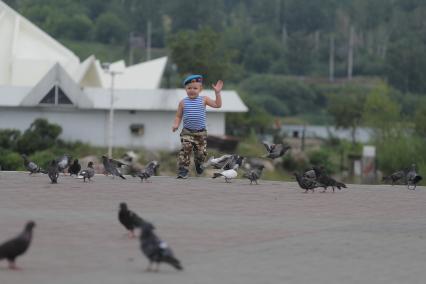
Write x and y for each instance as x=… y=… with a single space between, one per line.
x=217 y=103
x=178 y=117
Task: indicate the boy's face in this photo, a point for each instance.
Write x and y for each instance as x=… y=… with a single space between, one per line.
x=193 y=89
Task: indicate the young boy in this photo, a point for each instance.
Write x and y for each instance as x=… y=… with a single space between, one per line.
x=194 y=134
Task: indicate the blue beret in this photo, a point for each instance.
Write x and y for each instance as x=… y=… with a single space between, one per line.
x=193 y=78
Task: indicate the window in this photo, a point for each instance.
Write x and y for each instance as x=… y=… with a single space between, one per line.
x=137 y=129
x=56 y=96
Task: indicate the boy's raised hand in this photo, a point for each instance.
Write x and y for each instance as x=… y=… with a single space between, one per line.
x=218 y=87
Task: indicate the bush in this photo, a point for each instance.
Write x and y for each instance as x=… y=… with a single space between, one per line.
x=322 y=157
x=10 y=161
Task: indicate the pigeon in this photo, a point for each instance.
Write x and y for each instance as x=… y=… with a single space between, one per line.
x=234 y=162
x=306 y=183
x=31 y=166
x=395 y=177
x=217 y=163
x=53 y=171
x=227 y=174
x=254 y=174
x=112 y=167
x=413 y=177
x=75 y=168
x=275 y=150
x=63 y=162
x=17 y=246
x=156 y=250
x=87 y=173
x=310 y=173
x=149 y=170
x=129 y=219
x=325 y=180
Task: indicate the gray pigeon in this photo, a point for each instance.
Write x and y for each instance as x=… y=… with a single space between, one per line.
x=395 y=177
x=254 y=174
x=87 y=173
x=275 y=150
x=63 y=162
x=149 y=171
x=306 y=183
x=156 y=250
x=112 y=167
x=234 y=162
x=413 y=177
x=17 y=246
x=31 y=166
x=53 y=171
x=217 y=163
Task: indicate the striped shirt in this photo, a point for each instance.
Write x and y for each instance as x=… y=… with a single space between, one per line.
x=194 y=113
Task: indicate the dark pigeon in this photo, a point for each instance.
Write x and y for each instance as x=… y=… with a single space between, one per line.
x=129 y=219
x=31 y=166
x=395 y=177
x=63 y=163
x=112 y=167
x=87 y=173
x=234 y=162
x=306 y=183
x=17 y=246
x=310 y=173
x=413 y=177
x=254 y=174
x=53 y=171
x=75 y=168
x=326 y=181
x=149 y=171
x=275 y=150
x=156 y=250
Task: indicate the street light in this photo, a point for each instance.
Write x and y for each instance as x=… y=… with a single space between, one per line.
x=106 y=67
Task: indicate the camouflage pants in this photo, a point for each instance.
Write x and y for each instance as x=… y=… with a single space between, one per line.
x=192 y=141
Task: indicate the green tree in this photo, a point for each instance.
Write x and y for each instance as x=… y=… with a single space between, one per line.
x=420 y=120
x=9 y=138
x=39 y=136
x=200 y=52
x=109 y=28
x=347 y=110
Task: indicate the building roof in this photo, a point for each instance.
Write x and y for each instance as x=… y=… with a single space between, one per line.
x=99 y=98
x=27 y=53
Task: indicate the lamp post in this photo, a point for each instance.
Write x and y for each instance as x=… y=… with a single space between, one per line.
x=106 y=67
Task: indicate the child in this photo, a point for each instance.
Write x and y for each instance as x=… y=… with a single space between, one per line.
x=194 y=134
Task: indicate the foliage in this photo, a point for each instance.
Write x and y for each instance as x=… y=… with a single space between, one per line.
x=109 y=28
x=9 y=138
x=39 y=136
x=10 y=160
x=420 y=120
x=200 y=53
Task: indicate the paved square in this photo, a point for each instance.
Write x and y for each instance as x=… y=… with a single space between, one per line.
x=222 y=233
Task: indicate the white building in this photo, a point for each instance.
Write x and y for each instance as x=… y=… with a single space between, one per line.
x=40 y=78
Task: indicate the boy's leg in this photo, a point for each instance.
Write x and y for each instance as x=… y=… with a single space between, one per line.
x=200 y=152
x=184 y=155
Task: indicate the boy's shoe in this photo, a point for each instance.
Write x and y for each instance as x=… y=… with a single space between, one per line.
x=198 y=168
x=183 y=173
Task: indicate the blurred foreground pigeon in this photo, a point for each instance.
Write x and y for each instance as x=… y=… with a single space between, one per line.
x=129 y=219
x=17 y=246
x=254 y=174
x=53 y=171
x=149 y=171
x=112 y=167
x=87 y=173
x=275 y=150
x=156 y=250
x=75 y=168
x=395 y=177
x=63 y=162
x=228 y=175
x=413 y=177
x=325 y=180
x=234 y=162
x=306 y=183
x=217 y=163
x=31 y=166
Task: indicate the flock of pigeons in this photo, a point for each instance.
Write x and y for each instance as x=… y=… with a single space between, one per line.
x=156 y=250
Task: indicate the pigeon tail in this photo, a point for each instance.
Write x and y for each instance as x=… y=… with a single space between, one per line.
x=173 y=262
x=215 y=175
